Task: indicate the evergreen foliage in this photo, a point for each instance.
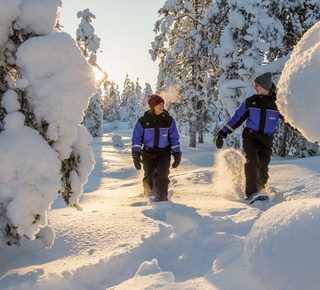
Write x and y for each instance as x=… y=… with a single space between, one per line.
x=146 y=92
x=8 y=74
x=89 y=44
x=243 y=48
x=296 y=16
x=111 y=103
x=181 y=45
x=93 y=118
x=126 y=93
x=19 y=104
x=134 y=104
x=210 y=51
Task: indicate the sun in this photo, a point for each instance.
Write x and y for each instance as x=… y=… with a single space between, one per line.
x=100 y=75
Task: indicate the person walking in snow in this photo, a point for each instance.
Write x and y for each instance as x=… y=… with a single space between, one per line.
x=262 y=115
x=155 y=137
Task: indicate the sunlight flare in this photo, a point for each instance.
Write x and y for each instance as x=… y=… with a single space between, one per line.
x=100 y=75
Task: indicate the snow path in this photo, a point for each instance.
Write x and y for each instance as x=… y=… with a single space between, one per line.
x=122 y=240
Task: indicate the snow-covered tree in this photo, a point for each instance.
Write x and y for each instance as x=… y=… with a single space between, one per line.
x=87 y=40
x=127 y=87
x=146 y=92
x=296 y=16
x=93 y=118
x=126 y=94
x=289 y=141
x=134 y=104
x=89 y=44
x=43 y=149
x=244 y=45
x=182 y=48
x=139 y=97
x=111 y=103
x=215 y=48
x=258 y=38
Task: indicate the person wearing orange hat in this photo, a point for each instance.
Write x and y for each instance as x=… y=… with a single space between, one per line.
x=155 y=137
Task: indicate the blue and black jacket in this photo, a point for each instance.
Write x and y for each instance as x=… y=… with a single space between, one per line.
x=156 y=132
x=261 y=113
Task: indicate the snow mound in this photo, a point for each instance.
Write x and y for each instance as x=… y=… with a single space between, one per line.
x=284 y=244
x=117 y=141
x=298 y=87
x=30 y=180
x=228 y=179
x=147 y=268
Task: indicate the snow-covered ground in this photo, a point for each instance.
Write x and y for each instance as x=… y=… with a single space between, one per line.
x=204 y=238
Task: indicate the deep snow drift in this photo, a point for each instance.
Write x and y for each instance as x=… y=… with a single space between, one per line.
x=201 y=239
x=298 y=87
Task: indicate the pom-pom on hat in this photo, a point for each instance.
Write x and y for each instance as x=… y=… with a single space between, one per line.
x=264 y=80
x=154 y=100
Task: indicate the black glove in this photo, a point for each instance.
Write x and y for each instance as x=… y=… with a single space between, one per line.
x=177 y=159
x=219 y=141
x=136 y=159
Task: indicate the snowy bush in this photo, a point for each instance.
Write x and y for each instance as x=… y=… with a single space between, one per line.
x=282 y=248
x=117 y=141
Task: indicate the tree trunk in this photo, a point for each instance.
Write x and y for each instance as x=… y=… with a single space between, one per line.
x=192 y=133
x=3 y=89
x=194 y=99
x=283 y=145
x=200 y=137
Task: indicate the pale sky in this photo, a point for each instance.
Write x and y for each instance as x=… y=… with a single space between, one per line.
x=125 y=28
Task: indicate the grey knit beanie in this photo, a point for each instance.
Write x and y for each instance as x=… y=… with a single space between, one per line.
x=264 y=80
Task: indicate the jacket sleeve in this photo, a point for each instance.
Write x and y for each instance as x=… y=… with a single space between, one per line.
x=137 y=137
x=240 y=115
x=174 y=138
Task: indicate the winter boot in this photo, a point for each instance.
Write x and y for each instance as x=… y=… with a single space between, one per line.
x=147 y=189
x=160 y=196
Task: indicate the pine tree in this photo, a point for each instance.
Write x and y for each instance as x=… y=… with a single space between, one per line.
x=111 y=103
x=125 y=96
x=139 y=97
x=127 y=87
x=93 y=118
x=243 y=48
x=8 y=74
x=25 y=120
x=182 y=59
x=296 y=16
x=89 y=44
x=146 y=92
x=133 y=105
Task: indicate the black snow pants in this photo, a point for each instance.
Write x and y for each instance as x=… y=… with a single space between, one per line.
x=257 y=151
x=156 y=164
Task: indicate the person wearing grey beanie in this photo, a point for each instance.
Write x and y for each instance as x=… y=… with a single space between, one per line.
x=261 y=115
x=264 y=80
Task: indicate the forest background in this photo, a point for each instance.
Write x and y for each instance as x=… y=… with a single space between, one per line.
x=208 y=53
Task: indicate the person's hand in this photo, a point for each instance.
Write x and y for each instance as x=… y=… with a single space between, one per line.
x=136 y=159
x=177 y=159
x=219 y=141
